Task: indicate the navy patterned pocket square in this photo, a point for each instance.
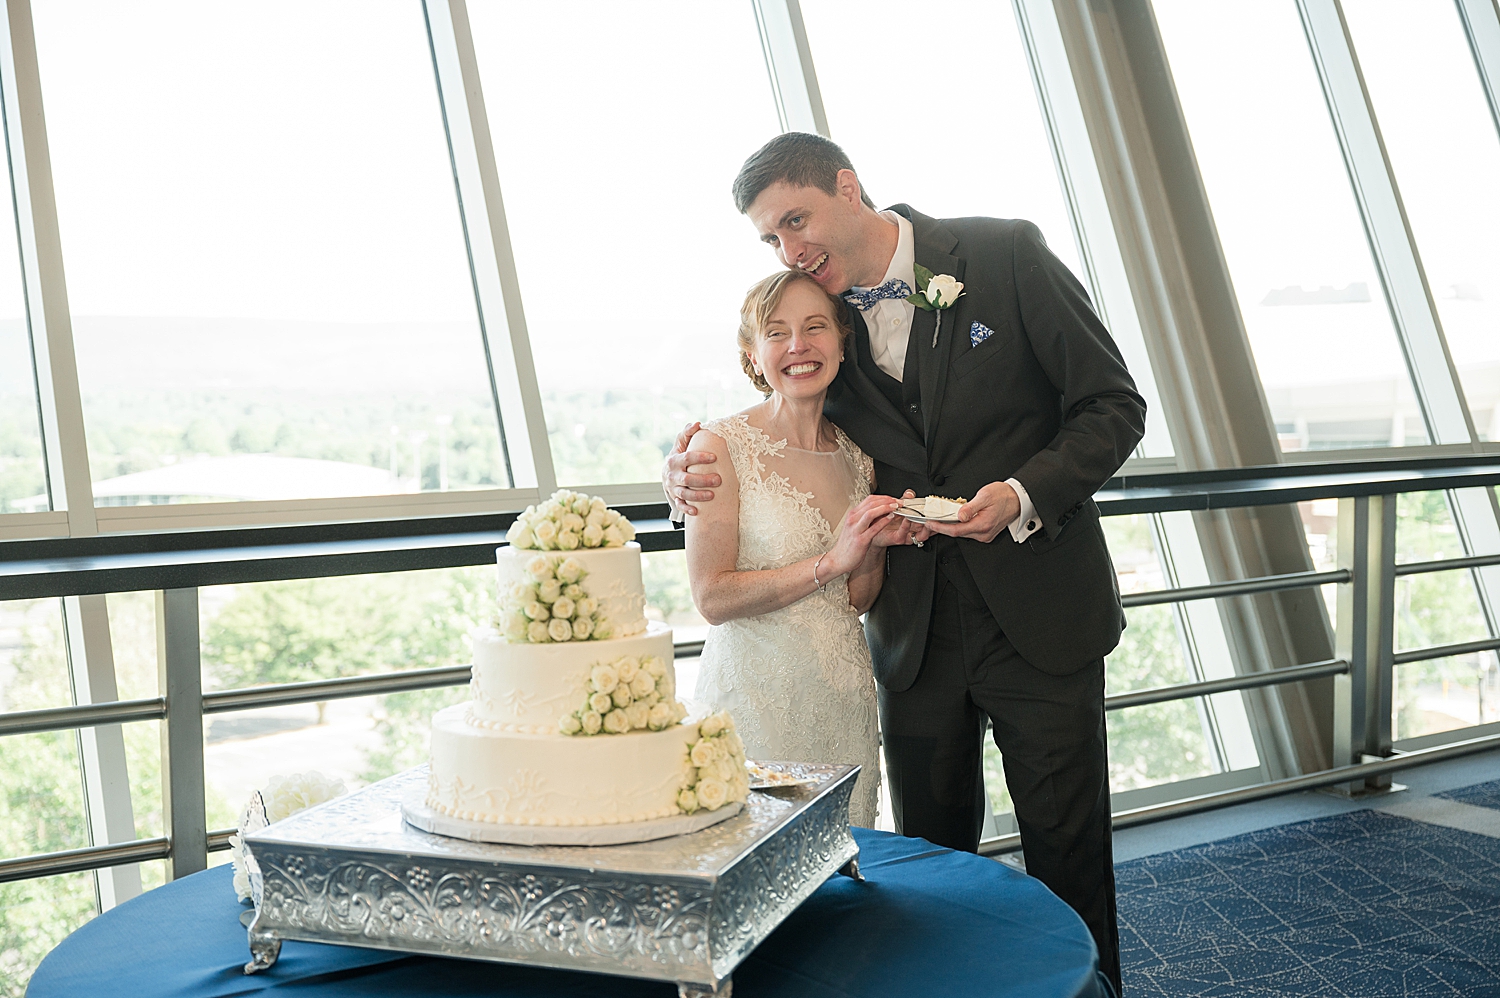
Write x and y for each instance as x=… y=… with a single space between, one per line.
x=978 y=333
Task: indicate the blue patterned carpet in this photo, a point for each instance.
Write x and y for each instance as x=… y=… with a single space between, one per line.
x=1363 y=904
x=1480 y=795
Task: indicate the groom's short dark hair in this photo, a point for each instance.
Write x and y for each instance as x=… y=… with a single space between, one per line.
x=797 y=158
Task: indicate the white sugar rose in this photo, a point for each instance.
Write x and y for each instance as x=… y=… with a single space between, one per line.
x=563 y=608
x=597 y=505
x=702 y=753
x=712 y=725
x=642 y=685
x=943 y=290
x=603 y=629
x=582 y=628
x=592 y=536
x=736 y=747
x=604 y=679
x=653 y=665
x=659 y=717
x=536 y=610
x=628 y=667
x=520 y=536
x=549 y=509
x=536 y=632
x=602 y=702
x=724 y=769
x=539 y=568
x=522 y=592
x=592 y=722
x=616 y=723
x=612 y=517
x=586 y=606
x=595 y=517
x=567 y=540
x=627 y=529
x=613 y=538
x=515 y=625
x=622 y=695
x=651 y=698
x=570 y=571
x=638 y=714
x=573 y=522
x=574 y=592
x=687 y=801
x=560 y=630
x=570 y=725
x=712 y=793
x=549 y=591
x=545 y=534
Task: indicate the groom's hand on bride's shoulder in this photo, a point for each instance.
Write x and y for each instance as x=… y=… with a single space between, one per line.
x=982 y=518
x=683 y=487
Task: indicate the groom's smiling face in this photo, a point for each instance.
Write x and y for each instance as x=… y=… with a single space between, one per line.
x=819 y=233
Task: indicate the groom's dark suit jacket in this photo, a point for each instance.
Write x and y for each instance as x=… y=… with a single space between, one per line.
x=1046 y=400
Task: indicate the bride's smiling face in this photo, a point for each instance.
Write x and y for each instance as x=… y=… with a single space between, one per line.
x=799 y=348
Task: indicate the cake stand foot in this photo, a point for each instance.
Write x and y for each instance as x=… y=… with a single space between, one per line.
x=687 y=990
x=851 y=870
x=265 y=947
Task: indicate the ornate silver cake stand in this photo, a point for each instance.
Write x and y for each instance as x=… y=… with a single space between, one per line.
x=685 y=909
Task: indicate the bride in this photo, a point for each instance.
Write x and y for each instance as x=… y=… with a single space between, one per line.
x=791 y=549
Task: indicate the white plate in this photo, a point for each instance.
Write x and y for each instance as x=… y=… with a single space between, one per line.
x=917 y=518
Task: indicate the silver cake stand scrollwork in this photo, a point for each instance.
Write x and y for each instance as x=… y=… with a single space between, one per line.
x=688 y=908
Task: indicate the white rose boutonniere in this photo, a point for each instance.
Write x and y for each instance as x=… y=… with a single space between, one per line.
x=938 y=291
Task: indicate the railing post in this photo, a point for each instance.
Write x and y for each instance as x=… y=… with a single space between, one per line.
x=179 y=673
x=1365 y=635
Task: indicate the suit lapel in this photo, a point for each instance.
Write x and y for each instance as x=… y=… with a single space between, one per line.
x=934 y=245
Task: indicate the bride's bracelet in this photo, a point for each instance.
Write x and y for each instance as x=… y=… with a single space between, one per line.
x=815 y=570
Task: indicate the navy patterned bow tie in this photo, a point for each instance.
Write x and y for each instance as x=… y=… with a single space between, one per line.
x=864 y=299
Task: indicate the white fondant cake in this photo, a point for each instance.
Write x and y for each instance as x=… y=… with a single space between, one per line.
x=574 y=719
x=613 y=580
x=529 y=688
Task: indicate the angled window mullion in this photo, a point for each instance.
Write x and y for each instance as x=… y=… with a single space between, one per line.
x=497 y=290
x=91 y=668
x=1394 y=249
x=1392 y=245
x=1481 y=21
x=794 y=81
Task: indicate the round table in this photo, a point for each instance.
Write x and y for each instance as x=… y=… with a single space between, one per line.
x=926 y=920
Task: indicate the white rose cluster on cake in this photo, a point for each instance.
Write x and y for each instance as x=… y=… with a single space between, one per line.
x=627 y=694
x=516 y=752
x=570 y=521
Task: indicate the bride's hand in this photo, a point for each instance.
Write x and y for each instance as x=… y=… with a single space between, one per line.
x=897 y=530
x=863 y=524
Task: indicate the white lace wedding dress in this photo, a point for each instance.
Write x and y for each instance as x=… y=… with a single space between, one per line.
x=797 y=680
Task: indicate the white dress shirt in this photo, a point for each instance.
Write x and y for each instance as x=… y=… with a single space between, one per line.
x=889 y=325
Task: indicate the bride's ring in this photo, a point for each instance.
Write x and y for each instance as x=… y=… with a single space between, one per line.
x=916 y=542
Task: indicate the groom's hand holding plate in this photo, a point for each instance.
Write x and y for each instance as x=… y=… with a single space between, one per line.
x=992 y=509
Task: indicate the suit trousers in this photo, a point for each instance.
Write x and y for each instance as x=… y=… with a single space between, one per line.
x=1050 y=731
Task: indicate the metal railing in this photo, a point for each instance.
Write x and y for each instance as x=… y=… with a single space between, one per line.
x=177 y=564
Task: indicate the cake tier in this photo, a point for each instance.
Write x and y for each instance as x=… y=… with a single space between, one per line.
x=613 y=581
x=523 y=779
x=528 y=688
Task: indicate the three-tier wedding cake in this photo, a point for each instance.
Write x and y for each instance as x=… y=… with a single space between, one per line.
x=574 y=718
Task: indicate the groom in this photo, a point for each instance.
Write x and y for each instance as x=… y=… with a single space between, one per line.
x=1015 y=397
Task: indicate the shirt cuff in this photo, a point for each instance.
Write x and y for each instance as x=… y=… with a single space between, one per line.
x=1026 y=522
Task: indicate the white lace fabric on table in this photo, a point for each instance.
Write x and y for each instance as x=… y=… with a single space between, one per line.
x=797 y=680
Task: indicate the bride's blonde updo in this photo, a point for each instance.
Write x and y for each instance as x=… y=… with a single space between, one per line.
x=761 y=300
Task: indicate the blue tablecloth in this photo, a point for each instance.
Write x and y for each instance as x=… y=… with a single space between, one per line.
x=927 y=921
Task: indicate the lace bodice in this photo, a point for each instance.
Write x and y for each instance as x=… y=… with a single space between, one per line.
x=798 y=679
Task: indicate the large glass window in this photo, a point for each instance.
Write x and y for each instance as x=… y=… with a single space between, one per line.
x=899 y=130
x=266 y=268
x=1443 y=146
x=631 y=257
x=1308 y=290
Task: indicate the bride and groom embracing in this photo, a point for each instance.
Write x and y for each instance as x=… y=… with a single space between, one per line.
x=880 y=383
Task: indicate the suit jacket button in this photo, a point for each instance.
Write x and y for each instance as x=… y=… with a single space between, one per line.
x=913 y=408
x=938 y=480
